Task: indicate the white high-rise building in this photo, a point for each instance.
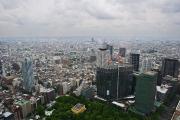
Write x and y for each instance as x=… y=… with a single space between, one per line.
x=66 y=87
x=147 y=64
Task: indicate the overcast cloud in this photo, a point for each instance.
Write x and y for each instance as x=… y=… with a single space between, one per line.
x=90 y=18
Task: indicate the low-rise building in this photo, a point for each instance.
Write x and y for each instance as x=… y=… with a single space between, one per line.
x=78 y=108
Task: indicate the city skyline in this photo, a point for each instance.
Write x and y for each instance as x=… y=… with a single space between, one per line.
x=89 y=59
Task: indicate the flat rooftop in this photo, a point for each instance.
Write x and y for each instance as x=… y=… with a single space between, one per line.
x=150 y=73
x=116 y=65
x=21 y=102
x=162 y=89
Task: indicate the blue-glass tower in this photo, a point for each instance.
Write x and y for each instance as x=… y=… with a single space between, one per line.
x=27 y=74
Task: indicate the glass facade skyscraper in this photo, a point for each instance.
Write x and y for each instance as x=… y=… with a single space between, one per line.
x=170 y=67
x=145 y=92
x=27 y=74
x=114 y=81
x=134 y=60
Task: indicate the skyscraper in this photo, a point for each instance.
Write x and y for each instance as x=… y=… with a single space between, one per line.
x=1 y=68
x=134 y=60
x=110 y=47
x=27 y=74
x=170 y=67
x=114 y=81
x=103 y=49
x=159 y=76
x=145 y=92
x=122 y=52
x=147 y=64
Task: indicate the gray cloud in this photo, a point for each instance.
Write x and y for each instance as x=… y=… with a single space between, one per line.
x=172 y=6
x=89 y=17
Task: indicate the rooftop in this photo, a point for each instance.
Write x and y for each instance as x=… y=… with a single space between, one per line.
x=162 y=89
x=150 y=73
x=21 y=102
x=78 y=108
x=116 y=65
x=119 y=104
x=7 y=114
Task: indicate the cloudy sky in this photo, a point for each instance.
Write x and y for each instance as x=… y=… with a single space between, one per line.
x=154 y=18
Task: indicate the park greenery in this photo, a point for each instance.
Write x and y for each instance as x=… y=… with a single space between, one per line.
x=96 y=110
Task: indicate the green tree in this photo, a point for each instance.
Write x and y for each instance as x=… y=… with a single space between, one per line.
x=40 y=110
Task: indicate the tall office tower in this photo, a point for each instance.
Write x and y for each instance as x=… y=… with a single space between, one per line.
x=92 y=56
x=122 y=52
x=146 y=65
x=134 y=60
x=159 y=76
x=114 y=81
x=145 y=92
x=170 y=67
x=110 y=47
x=134 y=83
x=1 y=68
x=103 y=48
x=125 y=80
x=27 y=74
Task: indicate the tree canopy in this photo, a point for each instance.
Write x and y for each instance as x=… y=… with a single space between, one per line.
x=96 y=110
